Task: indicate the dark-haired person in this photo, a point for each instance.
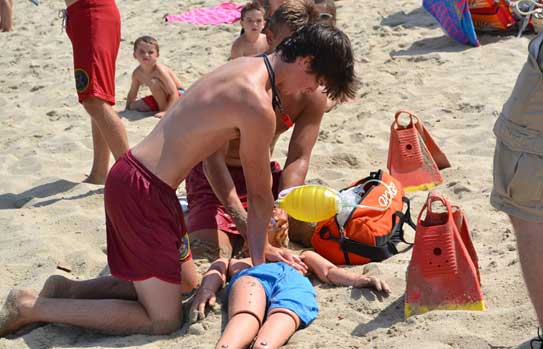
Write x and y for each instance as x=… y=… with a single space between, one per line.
x=144 y=221
x=251 y=41
x=217 y=191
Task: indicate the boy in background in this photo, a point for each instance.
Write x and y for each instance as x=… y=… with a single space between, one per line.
x=251 y=42
x=161 y=80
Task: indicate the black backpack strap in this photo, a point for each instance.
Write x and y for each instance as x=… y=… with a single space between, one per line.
x=374 y=253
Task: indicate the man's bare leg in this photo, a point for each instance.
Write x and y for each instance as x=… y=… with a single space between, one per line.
x=107 y=287
x=529 y=241
x=157 y=311
x=221 y=244
x=6 y=15
x=108 y=132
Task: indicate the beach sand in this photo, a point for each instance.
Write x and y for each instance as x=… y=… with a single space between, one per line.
x=50 y=220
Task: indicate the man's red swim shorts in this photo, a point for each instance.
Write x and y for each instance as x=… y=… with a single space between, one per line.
x=94 y=27
x=205 y=210
x=144 y=224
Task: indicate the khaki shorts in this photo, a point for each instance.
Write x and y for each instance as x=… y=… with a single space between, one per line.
x=518 y=183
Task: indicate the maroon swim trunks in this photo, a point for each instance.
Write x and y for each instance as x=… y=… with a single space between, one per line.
x=94 y=28
x=144 y=224
x=205 y=210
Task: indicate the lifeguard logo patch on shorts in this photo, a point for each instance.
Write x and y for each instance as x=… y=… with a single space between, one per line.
x=81 y=80
x=184 y=249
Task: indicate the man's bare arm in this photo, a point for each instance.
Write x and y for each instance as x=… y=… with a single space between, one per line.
x=223 y=186
x=302 y=141
x=255 y=139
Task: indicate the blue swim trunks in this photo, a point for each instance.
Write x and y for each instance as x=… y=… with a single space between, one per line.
x=285 y=288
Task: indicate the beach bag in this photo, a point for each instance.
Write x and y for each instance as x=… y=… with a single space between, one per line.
x=490 y=15
x=370 y=231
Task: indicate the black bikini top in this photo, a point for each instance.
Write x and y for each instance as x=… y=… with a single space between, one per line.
x=276 y=100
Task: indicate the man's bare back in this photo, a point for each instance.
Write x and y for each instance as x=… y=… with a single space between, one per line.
x=214 y=110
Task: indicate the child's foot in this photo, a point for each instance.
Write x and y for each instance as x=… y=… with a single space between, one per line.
x=12 y=313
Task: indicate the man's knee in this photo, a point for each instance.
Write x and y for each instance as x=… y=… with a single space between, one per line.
x=94 y=105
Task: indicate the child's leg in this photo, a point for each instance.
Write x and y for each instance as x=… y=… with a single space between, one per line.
x=159 y=93
x=280 y=324
x=140 y=105
x=246 y=307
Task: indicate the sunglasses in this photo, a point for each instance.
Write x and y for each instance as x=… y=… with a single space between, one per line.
x=325 y=15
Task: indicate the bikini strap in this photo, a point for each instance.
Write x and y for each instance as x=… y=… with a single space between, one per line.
x=276 y=101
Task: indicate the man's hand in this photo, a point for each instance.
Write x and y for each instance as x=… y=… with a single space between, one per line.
x=274 y=254
x=203 y=297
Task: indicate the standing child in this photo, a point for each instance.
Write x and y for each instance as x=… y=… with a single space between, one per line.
x=161 y=80
x=251 y=42
x=270 y=301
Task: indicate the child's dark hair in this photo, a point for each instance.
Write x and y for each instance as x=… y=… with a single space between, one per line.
x=328 y=13
x=332 y=57
x=293 y=13
x=253 y=5
x=148 y=40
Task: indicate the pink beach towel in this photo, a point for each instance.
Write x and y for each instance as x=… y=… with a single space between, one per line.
x=227 y=12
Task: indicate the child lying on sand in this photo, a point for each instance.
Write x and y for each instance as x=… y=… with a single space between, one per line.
x=270 y=301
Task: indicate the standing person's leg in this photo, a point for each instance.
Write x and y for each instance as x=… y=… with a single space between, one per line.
x=157 y=311
x=108 y=133
x=94 y=30
x=6 y=15
x=529 y=241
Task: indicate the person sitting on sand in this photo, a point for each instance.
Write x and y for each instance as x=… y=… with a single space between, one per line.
x=270 y=301
x=161 y=80
x=144 y=221
x=6 y=14
x=251 y=41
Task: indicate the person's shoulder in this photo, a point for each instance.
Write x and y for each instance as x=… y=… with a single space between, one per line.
x=316 y=100
x=161 y=69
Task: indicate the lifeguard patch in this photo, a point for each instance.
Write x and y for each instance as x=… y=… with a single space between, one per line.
x=184 y=249
x=81 y=80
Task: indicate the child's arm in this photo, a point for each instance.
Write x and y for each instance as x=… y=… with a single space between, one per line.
x=133 y=92
x=330 y=273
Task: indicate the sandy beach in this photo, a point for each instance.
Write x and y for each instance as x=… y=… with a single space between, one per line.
x=51 y=223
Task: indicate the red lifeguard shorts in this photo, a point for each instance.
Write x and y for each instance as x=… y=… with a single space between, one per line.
x=144 y=224
x=94 y=28
x=151 y=102
x=205 y=210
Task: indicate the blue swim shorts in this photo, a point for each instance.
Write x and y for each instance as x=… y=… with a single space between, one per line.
x=285 y=288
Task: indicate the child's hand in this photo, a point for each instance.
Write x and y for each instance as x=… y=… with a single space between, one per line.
x=203 y=297
x=372 y=281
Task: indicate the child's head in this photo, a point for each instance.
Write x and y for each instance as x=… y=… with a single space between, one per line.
x=146 y=49
x=327 y=11
x=252 y=17
x=289 y=17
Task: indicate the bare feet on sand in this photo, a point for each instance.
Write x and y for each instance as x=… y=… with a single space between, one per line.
x=13 y=314
x=95 y=180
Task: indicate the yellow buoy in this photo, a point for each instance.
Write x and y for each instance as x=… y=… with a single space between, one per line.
x=310 y=203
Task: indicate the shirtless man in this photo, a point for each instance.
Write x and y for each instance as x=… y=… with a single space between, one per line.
x=144 y=221
x=216 y=188
x=95 y=37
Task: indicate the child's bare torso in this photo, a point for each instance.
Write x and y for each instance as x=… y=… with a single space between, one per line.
x=160 y=72
x=248 y=48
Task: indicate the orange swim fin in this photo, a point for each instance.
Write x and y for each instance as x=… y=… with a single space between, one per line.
x=437 y=154
x=442 y=273
x=409 y=159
